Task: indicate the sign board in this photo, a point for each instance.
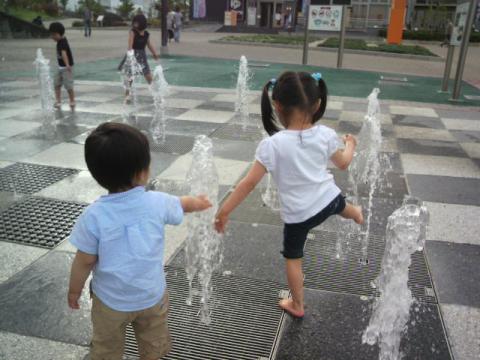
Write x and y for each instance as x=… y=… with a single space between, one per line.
x=252 y=16
x=325 y=17
x=459 y=24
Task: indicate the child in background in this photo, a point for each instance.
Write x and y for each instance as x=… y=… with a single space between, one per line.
x=120 y=237
x=64 y=74
x=138 y=40
x=297 y=158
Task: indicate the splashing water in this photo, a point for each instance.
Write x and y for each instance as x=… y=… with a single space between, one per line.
x=159 y=90
x=406 y=233
x=365 y=167
x=241 y=105
x=131 y=75
x=46 y=94
x=203 y=244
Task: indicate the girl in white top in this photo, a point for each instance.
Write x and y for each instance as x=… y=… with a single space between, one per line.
x=297 y=157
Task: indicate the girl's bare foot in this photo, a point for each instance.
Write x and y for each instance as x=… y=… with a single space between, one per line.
x=290 y=307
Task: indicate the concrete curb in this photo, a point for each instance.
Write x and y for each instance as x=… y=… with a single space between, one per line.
x=348 y=51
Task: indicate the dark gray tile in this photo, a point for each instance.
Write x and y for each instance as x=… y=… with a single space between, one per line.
x=418 y=121
x=250 y=251
x=331 y=114
x=466 y=136
x=88 y=118
x=234 y=150
x=354 y=127
x=253 y=210
x=195 y=95
x=160 y=161
x=458 y=114
x=178 y=127
x=455 y=272
x=234 y=131
x=333 y=325
x=16 y=149
x=173 y=144
x=217 y=105
x=430 y=147
x=355 y=106
x=64 y=132
x=445 y=189
x=34 y=302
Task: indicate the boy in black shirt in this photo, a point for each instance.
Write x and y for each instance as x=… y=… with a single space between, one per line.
x=64 y=75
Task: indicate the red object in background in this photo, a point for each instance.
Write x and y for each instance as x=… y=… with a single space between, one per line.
x=397 y=19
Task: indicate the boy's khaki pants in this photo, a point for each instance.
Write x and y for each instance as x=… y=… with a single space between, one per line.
x=150 y=326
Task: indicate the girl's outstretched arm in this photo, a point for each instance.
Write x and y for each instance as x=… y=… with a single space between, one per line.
x=244 y=187
x=152 y=49
x=343 y=158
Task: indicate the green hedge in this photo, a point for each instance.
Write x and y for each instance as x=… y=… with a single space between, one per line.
x=269 y=39
x=427 y=35
x=360 y=44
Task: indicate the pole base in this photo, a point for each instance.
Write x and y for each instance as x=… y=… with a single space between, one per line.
x=458 y=101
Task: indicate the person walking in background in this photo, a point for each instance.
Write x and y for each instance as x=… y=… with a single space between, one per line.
x=87 y=22
x=177 y=23
x=170 y=24
x=448 y=33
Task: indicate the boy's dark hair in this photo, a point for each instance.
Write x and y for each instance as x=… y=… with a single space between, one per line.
x=115 y=153
x=57 y=28
x=293 y=90
x=141 y=20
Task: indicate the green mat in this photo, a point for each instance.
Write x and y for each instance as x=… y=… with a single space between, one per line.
x=220 y=73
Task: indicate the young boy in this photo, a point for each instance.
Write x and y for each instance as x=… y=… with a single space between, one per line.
x=64 y=75
x=120 y=237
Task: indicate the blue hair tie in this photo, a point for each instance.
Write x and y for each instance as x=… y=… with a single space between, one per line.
x=317 y=76
x=273 y=81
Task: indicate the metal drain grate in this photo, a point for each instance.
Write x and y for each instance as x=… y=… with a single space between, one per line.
x=38 y=221
x=236 y=132
x=323 y=271
x=30 y=178
x=244 y=324
x=174 y=144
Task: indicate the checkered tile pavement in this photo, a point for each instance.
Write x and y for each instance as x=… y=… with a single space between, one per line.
x=434 y=149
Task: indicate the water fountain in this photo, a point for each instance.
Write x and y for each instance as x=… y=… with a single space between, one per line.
x=365 y=167
x=241 y=105
x=406 y=232
x=131 y=74
x=159 y=90
x=203 y=244
x=46 y=94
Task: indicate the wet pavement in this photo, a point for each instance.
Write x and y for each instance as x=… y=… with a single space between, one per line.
x=434 y=154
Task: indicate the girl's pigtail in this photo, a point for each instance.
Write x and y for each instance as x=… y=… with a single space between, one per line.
x=268 y=119
x=323 y=92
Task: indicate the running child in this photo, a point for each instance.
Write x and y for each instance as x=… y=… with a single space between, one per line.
x=296 y=155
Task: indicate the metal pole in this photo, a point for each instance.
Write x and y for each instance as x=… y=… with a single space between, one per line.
x=341 y=43
x=305 y=40
x=448 y=67
x=463 y=51
x=163 y=16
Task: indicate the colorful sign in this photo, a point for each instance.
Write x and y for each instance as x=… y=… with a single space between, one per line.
x=325 y=17
x=199 y=9
x=459 y=23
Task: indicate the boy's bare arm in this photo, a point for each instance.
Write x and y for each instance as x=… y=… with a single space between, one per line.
x=65 y=59
x=343 y=158
x=81 y=268
x=195 y=203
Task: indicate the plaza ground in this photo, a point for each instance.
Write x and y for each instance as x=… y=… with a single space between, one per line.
x=433 y=149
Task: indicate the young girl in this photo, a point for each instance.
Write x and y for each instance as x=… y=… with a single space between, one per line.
x=138 y=39
x=297 y=158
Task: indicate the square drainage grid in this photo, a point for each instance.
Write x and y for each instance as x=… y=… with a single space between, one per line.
x=245 y=320
x=38 y=221
x=174 y=144
x=348 y=274
x=253 y=210
x=29 y=178
x=231 y=131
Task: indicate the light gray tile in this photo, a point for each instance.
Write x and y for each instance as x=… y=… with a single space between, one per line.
x=62 y=155
x=183 y=103
x=440 y=166
x=461 y=124
x=21 y=347
x=80 y=187
x=206 y=116
x=472 y=149
x=454 y=223
x=412 y=110
x=14 y=257
x=413 y=132
x=11 y=127
x=463 y=329
x=335 y=105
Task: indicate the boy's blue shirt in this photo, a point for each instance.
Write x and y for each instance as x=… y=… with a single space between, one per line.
x=127 y=232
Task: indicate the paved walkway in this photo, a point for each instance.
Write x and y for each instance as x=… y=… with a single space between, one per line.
x=434 y=152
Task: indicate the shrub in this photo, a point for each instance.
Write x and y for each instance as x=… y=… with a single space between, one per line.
x=77 y=23
x=425 y=35
x=50 y=9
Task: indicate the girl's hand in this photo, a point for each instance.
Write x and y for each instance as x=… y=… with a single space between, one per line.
x=221 y=221
x=73 y=300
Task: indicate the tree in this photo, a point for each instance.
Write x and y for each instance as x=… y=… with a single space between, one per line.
x=126 y=8
x=93 y=5
x=64 y=4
